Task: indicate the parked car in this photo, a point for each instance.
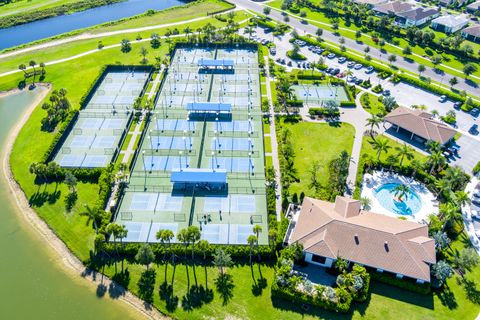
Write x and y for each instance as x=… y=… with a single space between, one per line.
x=273 y=51
x=358 y=81
x=336 y=71
x=475 y=112
x=289 y=63
x=342 y=59
x=358 y=66
x=351 y=79
x=328 y=70
x=370 y=69
x=457 y=105
x=331 y=55
x=350 y=64
x=386 y=92
x=442 y=98
x=473 y=129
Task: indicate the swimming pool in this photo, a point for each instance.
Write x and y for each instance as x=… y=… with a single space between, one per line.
x=409 y=205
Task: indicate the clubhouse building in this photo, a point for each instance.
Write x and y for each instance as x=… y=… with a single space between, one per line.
x=381 y=243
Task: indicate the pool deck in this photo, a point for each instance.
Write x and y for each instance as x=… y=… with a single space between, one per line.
x=372 y=181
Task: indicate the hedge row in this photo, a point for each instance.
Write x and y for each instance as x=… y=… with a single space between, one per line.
x=65 y=127
x=303 y=298
x=322 y=112
x=423 y=288
x=476 y=169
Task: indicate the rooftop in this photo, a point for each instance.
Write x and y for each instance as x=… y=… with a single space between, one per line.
x=393 y=7
x=343 y=229
x=451 y=20
x=473 y=30
x=417 y=13
x=420 y=123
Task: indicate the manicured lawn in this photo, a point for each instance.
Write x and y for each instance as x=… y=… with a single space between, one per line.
x=368 y=149
x=268 y=161
x=372 y=104
x=317 y=142
x=266 y=125
x=19 y=6
x=267 y=141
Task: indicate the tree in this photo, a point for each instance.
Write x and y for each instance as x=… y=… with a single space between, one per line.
x=183 y=237
x=125 y=46
x=366 y=203
x=436 y=59
x=433 y=146
x=193 y=234
x=381 y=146
x=70 y=181
x=468 y=69
x=222 y=260
x=118 y=232
x=407 y=50
x=466 y=259
x=257 y=229
x=404 y=152
x=367 y=49
x=461 y=198
x=249 y=30
x=415 y=164
x=442 y=271
x=32 y=64
x=23 y=68
x=252 y=240
x=453 y=81
x=93 y=214
x=392 y=58
x=421 y=69
x=145 y=255
x=400 y=191
x=266 y=10
x=358 y=34
x=442 y=241
x=448 y=213
x=374 y=121
x=435 y=160
x=143 y=53
x=187 y=30
x=319 y=32
x=155 y=40
x=389 y=103
x=341 y=264
x=203 y=245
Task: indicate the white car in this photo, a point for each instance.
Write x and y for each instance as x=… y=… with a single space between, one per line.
x=358 y=66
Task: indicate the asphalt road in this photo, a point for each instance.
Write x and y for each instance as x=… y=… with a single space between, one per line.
x=468 y=86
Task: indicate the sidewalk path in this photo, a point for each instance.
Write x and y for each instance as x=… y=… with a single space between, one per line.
x=273 y=140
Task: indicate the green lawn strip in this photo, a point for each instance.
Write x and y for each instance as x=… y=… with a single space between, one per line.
x=317 y=142
x=20 y=6
x=126 y=142
x=319 y=19
x=77 y=47
x=267 y=141
x=264 y=89
x=268 y=162
x=273 y=90
x=266 y=125
x=372 y=104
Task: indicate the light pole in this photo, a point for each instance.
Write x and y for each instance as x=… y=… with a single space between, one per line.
x=145 y=171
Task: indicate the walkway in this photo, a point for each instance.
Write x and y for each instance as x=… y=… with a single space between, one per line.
x=467 y=216
x=273 y=139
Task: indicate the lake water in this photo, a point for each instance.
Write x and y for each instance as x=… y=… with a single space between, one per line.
x=41 y=29
x=32 y=285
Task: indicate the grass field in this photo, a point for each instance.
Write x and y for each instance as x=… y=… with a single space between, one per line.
x=317 y=142
x=368 y=149
x=247 y=301
x=20 y=6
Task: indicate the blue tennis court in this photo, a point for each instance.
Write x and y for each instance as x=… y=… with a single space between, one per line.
x=168 y=203
x=71 y=160
x=159 y=163
x=113 y=124
x=222 y=143
x=239 y=233
x=231 y=164
x=95 y=161
x=104 y=142
x=233 y=203
x=235 y=125
x=175 y=124
x=90 y=123
x=215 y=233
x=82 y=142
x=174 y=143
x=137 y=231
x=143 y=202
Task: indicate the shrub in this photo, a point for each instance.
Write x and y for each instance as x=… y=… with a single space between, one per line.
x=423 y=288
x=476 y=169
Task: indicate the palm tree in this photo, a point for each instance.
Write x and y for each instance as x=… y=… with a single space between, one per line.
x=436 y=159
x=32 y=64
x=404 y=152
x=166 y=235
x=433 y=146
x=252 y=239
x=115 y=230
x=415 y=164
x=145 y=255
x=380 y=145
x=183 y=237
x=222 y=260
x=443 y=186
x=203 y=246
x=366 y=203
x=187 y=31
x=23 y=68
x=93 y=214
x=448 y=213
x=249 y=30
x=461 y=198
x=193 y=233
x=143 y=53
x=374 y=121
x=400 y=191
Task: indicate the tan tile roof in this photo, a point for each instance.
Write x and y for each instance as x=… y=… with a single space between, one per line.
x=368 y=238
x=473 y=30
x=395 y=7
x=420 y=123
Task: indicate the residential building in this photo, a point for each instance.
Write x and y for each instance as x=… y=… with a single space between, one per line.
x=472 y=33
x=416 y=17
x=392 y=8
x=446 y=3
x=473 y=8
x=370 y=3
x=386 y=244
x=420 y=124
x=450 y=23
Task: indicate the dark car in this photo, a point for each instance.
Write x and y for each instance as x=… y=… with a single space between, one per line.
x=358 y=81
x=473 y=129
x=457 y=105
x=336 y=71
x=475 y=112
x=328 y=70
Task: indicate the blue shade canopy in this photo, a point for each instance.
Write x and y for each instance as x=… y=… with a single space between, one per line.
x=193 y=175
x=209 y=107
x=215 y=63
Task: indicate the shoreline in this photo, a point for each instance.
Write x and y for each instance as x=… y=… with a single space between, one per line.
x=70 y=262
